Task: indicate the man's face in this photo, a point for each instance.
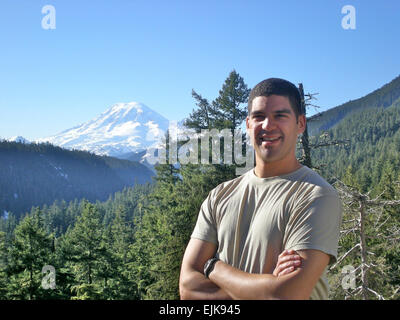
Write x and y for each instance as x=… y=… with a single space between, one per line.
x=273 y=128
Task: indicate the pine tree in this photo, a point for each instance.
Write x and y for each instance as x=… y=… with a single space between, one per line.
x=120 y=238
x=31 y=250
x=88 y=249
x=228 y=105
x=3 y=266
x=226 y=111
x=203 y=117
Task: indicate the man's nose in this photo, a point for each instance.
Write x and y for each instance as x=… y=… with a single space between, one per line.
x=268 y=124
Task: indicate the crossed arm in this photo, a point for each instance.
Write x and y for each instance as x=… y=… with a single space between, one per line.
x=226 y=282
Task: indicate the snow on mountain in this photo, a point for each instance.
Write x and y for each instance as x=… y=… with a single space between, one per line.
x=123 y=128
x=19 y=139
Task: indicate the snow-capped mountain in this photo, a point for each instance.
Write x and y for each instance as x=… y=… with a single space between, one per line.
x=123 y=128
x=18 y=139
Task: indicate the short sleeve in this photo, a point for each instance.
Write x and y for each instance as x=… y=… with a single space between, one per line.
x=315 y=224
x=205 y=228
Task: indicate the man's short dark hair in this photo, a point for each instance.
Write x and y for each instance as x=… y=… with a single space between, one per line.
x=278 y=87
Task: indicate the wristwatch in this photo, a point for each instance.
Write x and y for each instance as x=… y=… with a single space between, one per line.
x=209 y=266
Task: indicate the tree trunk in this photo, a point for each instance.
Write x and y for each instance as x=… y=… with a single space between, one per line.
x=304 y=139
x=363 y=247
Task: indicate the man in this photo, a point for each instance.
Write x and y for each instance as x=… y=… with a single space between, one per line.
x=249 y=229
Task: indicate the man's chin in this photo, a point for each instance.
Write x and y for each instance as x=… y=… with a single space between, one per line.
x=268 y=158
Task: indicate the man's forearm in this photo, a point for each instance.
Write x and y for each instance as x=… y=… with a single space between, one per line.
x=242 y=285
x=197 y=287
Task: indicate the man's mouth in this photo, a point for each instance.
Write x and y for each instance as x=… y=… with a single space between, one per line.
x=268 y=141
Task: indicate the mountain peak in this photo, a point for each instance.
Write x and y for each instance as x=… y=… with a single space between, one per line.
x=123 y=128
x=19 y=139
x=121 y=106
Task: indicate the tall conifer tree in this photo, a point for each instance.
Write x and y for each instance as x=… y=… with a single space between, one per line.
x=31 y=250
x=87 y=251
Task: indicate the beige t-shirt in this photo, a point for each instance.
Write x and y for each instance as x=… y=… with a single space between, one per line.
x=252 y=220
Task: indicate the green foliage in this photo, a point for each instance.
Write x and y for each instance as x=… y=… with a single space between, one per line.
x=226 y=111
x=31 y=250
x=90 y=257
x=3 y=266
x=92 y=260
x=233 y=94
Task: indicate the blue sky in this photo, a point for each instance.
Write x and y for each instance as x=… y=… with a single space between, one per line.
x=156 y=52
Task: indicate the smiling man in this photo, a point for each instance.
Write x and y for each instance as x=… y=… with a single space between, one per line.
x=250 y=228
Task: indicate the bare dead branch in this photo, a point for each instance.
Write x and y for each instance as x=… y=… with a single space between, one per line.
x=383 y=203
x=330 y=143
x=395 y=292
x=375 y=293
x=344 y=256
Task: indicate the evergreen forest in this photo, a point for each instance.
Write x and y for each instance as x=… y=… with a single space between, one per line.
x=34 y=174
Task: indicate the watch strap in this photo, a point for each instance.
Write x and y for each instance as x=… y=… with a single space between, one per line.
x=209 y=266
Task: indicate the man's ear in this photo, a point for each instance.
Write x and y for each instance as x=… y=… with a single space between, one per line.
x=301 y=123
x=248 y=129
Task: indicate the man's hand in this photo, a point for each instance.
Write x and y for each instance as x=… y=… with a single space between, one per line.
x=288 y=261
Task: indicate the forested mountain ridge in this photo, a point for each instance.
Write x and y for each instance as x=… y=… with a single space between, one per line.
x=373 y=153
x=38 y=174
x=380 y=98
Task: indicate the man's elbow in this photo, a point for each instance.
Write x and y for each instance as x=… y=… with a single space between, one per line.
x=187 y=287
x=184 y=293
